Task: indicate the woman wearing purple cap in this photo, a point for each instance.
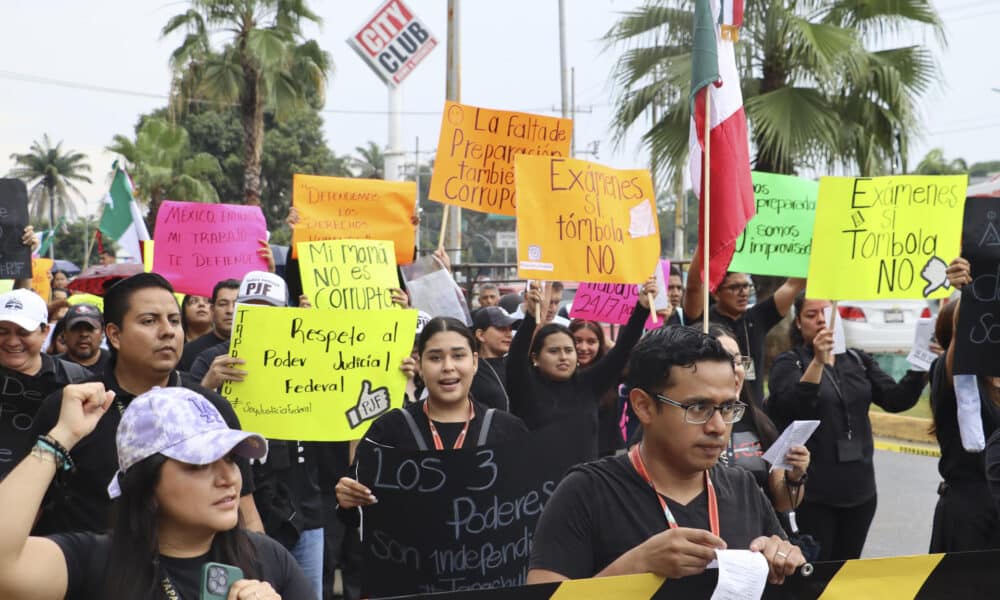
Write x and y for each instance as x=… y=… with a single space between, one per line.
x=178 y=508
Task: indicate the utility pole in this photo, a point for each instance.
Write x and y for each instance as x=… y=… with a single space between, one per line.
x=394 y=154
x=416 y=206
x=453 y=92
x=563 y=70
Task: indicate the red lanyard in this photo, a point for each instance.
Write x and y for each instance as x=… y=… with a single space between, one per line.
x=713 y=503
x=460 y=440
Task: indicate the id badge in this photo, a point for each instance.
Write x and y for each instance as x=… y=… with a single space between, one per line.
x=752 y=371
x=849 y=451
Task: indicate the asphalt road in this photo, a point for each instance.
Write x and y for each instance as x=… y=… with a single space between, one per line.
x=907 y=494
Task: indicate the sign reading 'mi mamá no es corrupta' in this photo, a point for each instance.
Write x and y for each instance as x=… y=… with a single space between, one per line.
x=393 y=42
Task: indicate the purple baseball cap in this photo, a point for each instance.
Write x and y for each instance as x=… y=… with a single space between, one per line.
x=180 y=424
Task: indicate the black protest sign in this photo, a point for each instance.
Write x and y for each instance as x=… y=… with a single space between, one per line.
x=462 y=519
x=977 y=336
x=20 y=398
x=15 y=257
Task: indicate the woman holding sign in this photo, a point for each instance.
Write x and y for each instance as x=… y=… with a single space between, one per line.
x=810 y=382
x=449 y=418
x=543 y=378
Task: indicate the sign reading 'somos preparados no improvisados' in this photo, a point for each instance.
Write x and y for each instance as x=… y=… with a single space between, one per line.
x=393 y=42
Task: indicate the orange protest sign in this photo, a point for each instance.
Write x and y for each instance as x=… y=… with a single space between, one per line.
x=581 y=221
x=40 y=277
x=474 y=166
x=334 y=208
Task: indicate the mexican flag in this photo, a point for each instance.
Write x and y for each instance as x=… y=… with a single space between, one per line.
x=713 y=71
x=122 y=220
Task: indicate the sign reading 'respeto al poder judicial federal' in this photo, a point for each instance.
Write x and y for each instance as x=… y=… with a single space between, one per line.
x=581 y=221
x=318 y=375
x=474 y=166
x=885 y=237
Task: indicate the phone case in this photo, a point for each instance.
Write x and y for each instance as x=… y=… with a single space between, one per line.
x=217 y=578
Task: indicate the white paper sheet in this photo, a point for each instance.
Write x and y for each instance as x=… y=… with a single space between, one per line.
x=920 y=355
x=796 y=434
x=742 y=575
x=839 y=338
x=641 y=220
x=970 y=418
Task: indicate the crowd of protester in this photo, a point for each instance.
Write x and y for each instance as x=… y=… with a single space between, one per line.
x=136 y=471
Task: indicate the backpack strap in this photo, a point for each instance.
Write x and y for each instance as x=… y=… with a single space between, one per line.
x=485 y=429
x=412 y=424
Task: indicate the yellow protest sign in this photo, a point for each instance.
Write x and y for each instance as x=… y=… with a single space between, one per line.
x=97 y=301
x=332 y=208
x=474 y=165
x=885 y=237
x=318 y=375
x=348 y=274
x=41 y=279
x=581 y=221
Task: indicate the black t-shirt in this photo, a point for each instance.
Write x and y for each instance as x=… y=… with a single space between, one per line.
x=751 y=330
x=193 y=348
x=745 y=450
x=391 y=429
x=603 y=509
x=955 y=463
x=202 y=363
x=489 y=386
x=98 y=368
x=87 y=567
x=78 y=501
x=287 y=493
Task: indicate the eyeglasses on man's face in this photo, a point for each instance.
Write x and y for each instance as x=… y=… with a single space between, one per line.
x=738 y=288
x=699 y=413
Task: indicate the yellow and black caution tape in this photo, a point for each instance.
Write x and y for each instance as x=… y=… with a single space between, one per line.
x=905 y=448
x=956 y=576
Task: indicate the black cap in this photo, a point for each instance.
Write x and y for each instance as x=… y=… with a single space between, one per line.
x=84 y=313
x=492 y=316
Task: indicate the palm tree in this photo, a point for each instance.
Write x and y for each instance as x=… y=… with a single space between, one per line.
x=264 y=64
x=162 y=166
x=370 y=161
x=816 y=94
x=50 y=173
x=936 y=164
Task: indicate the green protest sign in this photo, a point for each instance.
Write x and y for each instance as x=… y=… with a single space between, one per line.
x=778 y=240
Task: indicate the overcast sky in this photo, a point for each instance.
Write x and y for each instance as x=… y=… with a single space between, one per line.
x=510 y=60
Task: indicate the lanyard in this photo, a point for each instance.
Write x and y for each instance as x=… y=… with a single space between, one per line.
x=713 y=503
x=460 y=440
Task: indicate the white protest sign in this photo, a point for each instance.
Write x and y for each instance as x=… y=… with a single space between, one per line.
x=921 y=355
x=433 y=290
x=796 y=434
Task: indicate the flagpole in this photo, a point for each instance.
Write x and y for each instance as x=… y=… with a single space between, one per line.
x=706 y=176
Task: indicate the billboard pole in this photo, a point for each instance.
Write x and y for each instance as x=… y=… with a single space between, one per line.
x=394 y=153
x=453 y=92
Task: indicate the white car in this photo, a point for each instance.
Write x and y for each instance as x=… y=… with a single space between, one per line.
x=881 y=325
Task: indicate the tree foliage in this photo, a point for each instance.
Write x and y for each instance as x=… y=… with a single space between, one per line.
x=50 y=173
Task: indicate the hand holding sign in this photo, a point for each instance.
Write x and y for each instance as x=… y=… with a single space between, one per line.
x=371 y=403
x=935 y=273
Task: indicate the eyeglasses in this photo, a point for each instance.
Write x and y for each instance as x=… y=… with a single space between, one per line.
x=700 y=413
x=737 y=288
x=745 y=361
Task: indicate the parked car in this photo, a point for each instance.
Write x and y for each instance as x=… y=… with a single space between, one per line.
x=882 y=325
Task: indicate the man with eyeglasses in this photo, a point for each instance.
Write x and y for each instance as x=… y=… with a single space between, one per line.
x=667 y=505
x=750 y=324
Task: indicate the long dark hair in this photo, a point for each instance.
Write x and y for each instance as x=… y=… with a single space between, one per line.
x=442 y=324
x=766 y=431
x=794 y=333
x=602 y=342
x=546 y=331
x=133 y=569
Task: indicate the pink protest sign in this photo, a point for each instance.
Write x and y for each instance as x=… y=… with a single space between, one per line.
x=605 y=302
x=198 y=245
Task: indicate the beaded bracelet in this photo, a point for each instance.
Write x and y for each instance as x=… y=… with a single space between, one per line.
x=51 y=445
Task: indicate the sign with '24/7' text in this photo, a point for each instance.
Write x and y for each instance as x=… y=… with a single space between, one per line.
x=885 y=237
x=581 y=221
x=474 y=165
x=393 y=42
x=198 y=245
x=318 y=375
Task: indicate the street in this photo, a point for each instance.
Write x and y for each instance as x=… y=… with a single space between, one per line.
x=907 y=492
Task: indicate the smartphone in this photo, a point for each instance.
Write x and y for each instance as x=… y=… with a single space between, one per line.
x=217 y=578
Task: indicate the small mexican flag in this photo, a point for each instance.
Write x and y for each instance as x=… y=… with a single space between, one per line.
x=122 y=220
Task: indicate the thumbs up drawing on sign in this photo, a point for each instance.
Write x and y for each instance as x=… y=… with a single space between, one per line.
x=371 y=403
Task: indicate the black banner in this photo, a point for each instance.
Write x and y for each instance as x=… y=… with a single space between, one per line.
x=20 y=398
x=463 y=519
x=15 y=257
x=977 y=336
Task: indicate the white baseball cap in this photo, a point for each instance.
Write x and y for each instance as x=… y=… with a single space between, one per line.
x=265 y=287
x=24 y=308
